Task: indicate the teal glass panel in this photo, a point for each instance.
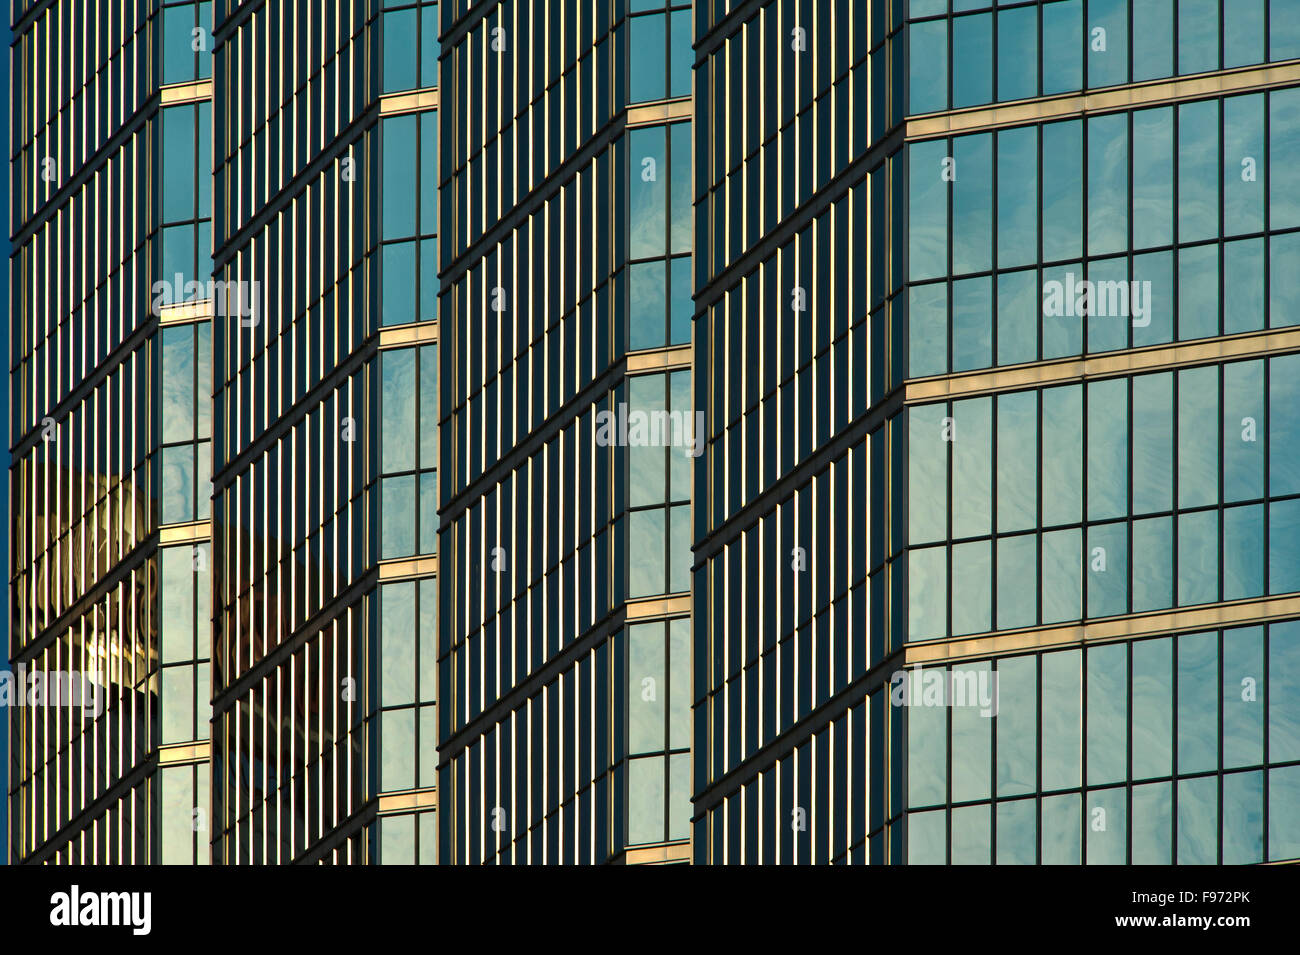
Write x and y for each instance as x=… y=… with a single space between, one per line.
x=1017 y=53
x=1153 y=824
x=1061 y=829
x=1243 y=697
x=1198 y=557
x=1153 y=543
x=1198 y=702
x=1062 y=47
x=971 y=587
x=972 y=444
x=1017 y=311
x=1153 y=39
x=1108 y=158
x=1017 y=725
x=397 y=644
x=927 y=584
x=1198 y=36
x=1107 y=715
x=1107 y=42
x=1107 y=826
x=1153 y=715
x=1061 y=575
x=1198 y=821
x=972 y=204
x=1063 y=455
x=972 y=323
x=1062 y=720
x=1017 y=832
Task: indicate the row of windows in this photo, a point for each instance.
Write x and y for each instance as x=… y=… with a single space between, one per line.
x=406 y=839
x=659 y=279
x=1125 y=453
x=537 y=112
x=409 y=452
x=659 y=483
x=291 y=528
x=1185 y=707
x=1155 y=298
x=186 y=42
x=68 y=319
x=549 y=782
x=660 y=57
x=184 y=642
x=1104 y=569
x=185 y=413
x=797 y=304
x=1202 y=820
x=884 y=14
x=296 y=754
x=409 y=213
x=182 y=804
x=278 y=121
x=411 y=48
x=768 y=657
x=1228 y=434
x=737 y=211
x=530 y=326
x=122 y=834
x=997 y=56
x=1137 y=180
x=1146 y=709
x=600 y=533
x=779 y=93
x=89 y=491
x=71 y=99
x=407 y=658
x=659 y=731
x=307 y=303
x=66 y=756
x=815 y=804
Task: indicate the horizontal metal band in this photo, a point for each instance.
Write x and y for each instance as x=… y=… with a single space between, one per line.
x=1105 y=365
x=1110 y=100
x=1235 y=613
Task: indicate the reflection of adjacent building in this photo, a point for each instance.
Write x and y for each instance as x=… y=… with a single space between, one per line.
x=74 y=771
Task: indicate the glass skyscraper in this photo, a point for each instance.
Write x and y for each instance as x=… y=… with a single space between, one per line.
x=625 y=431
x=992 y=315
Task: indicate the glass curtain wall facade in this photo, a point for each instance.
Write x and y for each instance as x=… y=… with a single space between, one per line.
x=324 y=495
x=110 y=430
x=1069 y=503
x=869 y=431
x=564 y=667
x=1127 y=445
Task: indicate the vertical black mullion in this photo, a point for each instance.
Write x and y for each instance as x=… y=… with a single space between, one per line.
x=1038 y=757
x=1084 y=791
x=1268 y=702
x=950 y=152
x=947 y=755
x=1218 y=681
x=993 y=765
x=1128 y=749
